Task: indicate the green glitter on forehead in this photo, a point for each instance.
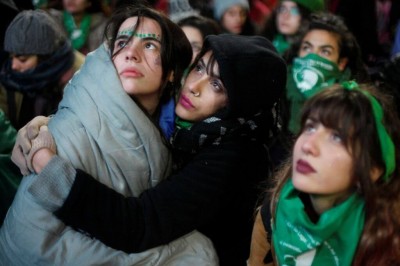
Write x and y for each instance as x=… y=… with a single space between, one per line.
x=139 y=35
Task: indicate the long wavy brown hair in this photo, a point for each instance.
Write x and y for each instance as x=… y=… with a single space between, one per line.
x=350 y=113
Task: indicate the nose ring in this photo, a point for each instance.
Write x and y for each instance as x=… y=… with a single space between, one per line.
x=196 y=94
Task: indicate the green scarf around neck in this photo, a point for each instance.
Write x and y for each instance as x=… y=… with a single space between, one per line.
x=180 y=123
x=332 y=240
x=78 y=36
x=280 y=43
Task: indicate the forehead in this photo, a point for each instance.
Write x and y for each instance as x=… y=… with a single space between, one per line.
x=147 y=26
x=288 y=3
x=192 y=33
x=319 y=37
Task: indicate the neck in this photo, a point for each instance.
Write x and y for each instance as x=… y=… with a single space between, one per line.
x=322 y=203
x=78 y=17
x=148 y=103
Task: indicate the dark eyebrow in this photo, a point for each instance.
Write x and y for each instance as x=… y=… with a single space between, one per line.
x=127 y=37
x=307 y=43
x=150 y=39
x=123 y=37
x=328 y=46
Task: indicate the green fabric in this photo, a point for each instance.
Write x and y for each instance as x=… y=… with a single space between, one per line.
x=78 y=36
x=331 y=241
x=311 y=5
x=386 y=143
x=280 y=43
x=38 y=4
x=10 y=176
x=312 y=72
x=182 y=123
x=307 y=76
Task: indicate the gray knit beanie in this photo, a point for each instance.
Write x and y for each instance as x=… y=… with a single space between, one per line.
x=33 y=32
x=220 y=6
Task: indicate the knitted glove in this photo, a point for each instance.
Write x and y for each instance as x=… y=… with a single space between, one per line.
x=23 y=144
x=51 y=187
x=43 y=140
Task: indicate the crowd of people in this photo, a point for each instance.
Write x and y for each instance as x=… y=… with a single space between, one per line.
x=219 y=132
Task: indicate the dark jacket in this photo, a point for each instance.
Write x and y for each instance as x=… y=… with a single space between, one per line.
x=216 y=193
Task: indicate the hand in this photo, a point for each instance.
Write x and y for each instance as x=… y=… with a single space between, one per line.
x=44 y=140
x=23 y=143
x=41 y=158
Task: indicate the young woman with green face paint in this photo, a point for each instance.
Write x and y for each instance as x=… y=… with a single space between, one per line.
x=336 y=201
x=326 y=53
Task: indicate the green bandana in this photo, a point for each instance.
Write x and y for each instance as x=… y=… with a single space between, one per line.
x=77 y=35
x=305 y=71
x=387 y=146
x=331 y=241
x=313 y=72
x=280 y=43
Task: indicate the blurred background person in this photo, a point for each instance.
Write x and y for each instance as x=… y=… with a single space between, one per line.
x=327 y=53
x=83 y=21
x=41 y=62
x=234 y=16
x=285 y=22
x=196 y=29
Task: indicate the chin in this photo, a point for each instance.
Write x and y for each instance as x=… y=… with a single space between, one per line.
x=300 y=183
x=182 y=113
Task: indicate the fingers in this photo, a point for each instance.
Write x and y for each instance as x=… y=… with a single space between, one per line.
x=29 y=140
x=43 y=140
x=33 y=127
x=18 y=158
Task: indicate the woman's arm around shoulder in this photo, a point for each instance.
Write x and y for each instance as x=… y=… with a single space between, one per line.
x=175 y=207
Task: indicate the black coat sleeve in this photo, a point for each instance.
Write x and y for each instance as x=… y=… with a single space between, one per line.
x=176 y=206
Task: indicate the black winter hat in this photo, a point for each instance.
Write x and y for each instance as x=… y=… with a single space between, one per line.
x=33 y=32
x=252 y=71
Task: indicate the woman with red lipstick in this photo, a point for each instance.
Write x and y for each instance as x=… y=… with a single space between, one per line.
x=336 y=202
x=105 y=125
x=220 y=154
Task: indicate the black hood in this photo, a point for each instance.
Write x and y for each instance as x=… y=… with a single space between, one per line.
x=252 y=71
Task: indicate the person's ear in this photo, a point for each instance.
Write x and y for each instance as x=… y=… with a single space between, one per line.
x=342 y=63
x=376 y=173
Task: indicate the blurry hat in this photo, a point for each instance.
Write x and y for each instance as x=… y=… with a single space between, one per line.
x=252 y=71
x=220 y=6
x=33 y=32
x=312 y=5
x=179 y=9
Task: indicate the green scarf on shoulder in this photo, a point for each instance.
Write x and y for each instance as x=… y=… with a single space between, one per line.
x=332 y=240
